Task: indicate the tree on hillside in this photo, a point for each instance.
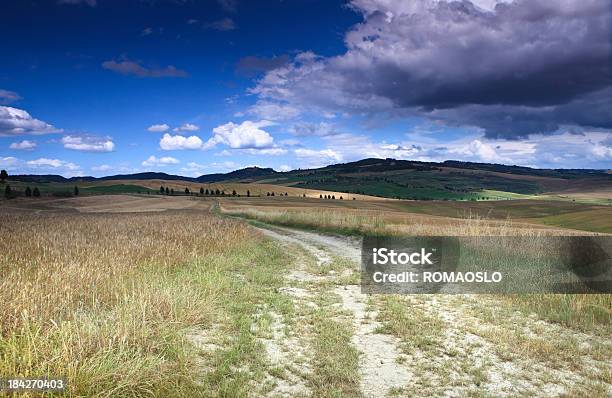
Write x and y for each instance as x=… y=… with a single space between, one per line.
x=162 y=190
x=8 y=192
x=304 y=195
x=171 y=191
x=217 y=192
x=28 y=192
x=206 y=192
x=286 y=194
x=272 y=194
x=333 y=196
x=248 y=193
x=341 y=198
x=267 y=193
x=187 y=191
x=3 y=175
x=36 y=192
x=234 y=192
x=320 y=196
x=167 y=191
x=76 y=191
x=202 y=191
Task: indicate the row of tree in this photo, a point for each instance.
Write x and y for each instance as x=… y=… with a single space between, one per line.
x=203 y=192
x=330 y=197
x=10 y=193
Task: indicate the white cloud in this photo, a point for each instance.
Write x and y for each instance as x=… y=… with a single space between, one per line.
x=248 y=134
x=163 y=161
x=265 y=151
x=273 y=111
x=158 y=128
x=15 y=121
x=483 y=152
x=322 y=155
x=8 y=161
x=284 y=168
x=194 y=169
x=88 y=143
x=178 y=142
x=24 y=145
x=45 y=163
x=187 y=127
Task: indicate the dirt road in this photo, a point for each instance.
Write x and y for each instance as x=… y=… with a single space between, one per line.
x=427 y=345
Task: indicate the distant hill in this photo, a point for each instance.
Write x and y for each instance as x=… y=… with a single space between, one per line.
x=247 y=174
x=405 y=179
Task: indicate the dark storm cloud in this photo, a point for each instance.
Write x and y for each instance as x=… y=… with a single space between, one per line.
x=523 y=67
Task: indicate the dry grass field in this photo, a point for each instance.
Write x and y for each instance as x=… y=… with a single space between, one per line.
x=109 y=300
x=150 y=295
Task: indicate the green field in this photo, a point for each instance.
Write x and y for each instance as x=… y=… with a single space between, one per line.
x=413 y=184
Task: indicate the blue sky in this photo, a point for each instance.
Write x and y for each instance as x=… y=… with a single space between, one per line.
x=98 y=87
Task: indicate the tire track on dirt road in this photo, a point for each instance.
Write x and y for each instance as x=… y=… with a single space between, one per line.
x=380 y=370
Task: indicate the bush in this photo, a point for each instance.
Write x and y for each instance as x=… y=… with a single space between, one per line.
x=28 y=192
x=36 y=192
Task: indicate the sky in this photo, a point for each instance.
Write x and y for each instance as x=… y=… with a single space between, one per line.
x=102 y=87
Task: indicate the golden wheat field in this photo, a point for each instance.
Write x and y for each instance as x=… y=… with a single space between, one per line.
x=105 y=299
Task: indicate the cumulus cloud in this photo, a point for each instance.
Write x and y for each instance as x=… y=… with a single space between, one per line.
x=6 y=97
x=187 y=127
x=88 y=143
x=284 y=168
x=178 y=142
x=247 y=134
x=15 y=121
x=520 y=67
x=222 y=25
x=158 y=128
x=24 y=145
x=163 y=161
x=127 y=67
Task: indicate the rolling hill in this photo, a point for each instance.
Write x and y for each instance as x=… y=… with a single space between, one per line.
x=401 y=179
